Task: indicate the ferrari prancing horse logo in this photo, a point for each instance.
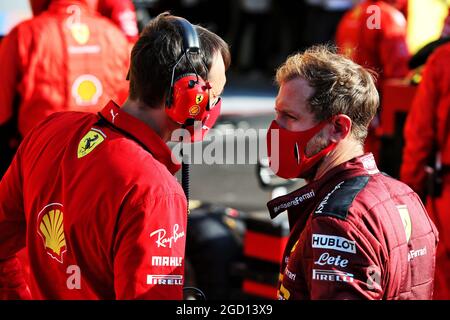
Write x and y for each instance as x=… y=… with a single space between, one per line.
x=198 y=98
x=90 y=141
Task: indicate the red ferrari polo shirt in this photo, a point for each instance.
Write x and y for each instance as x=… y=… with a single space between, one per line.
x=94 y=199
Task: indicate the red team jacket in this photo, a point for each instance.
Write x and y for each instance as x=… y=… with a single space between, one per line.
x=428 y=121
x=356 y=234
x=427 y=133
x=66 y=58
x=379 y=44
x=95 y=201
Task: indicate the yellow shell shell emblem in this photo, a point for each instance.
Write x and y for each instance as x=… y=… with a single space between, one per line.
x=51 y=229
x=89 y=142
x=87 y=90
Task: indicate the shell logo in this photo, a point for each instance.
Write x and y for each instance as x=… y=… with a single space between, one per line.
x=86 y=90
x=194 y=110
x=51 y=229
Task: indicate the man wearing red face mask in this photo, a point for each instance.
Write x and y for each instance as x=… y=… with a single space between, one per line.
x=94 y=196
x=355 y=232
x=67 y=57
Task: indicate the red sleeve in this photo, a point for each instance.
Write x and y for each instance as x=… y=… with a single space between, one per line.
x=393 y=48
x=12 y=234
x=149 y=249
x=345 y=264
x=10 y=74
x=419 y=131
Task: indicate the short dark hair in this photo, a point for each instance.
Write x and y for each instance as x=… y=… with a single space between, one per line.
x=155 y=53
x=340 y=86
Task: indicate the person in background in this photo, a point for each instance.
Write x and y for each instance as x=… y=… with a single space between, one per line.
x=426 y=154
x=376 y=44
x=373 y=34
x=67 y=57
x=356 y=233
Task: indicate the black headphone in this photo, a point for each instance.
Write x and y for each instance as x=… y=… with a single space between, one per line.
x=188 y=96
x=191 y=43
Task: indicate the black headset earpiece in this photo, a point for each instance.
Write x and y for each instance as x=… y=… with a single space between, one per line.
x=191 y=45
x=191 y=85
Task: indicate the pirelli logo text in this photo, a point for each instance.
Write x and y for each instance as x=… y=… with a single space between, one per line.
x=332 y=275
x=333 y=242
x=165 y=279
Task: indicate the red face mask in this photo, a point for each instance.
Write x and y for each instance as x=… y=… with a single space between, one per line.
x=190 y=106
x=286 y=150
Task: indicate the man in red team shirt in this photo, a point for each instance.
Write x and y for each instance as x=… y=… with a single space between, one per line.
x=67 y=57
x=426 y=139
x=93 y=197
x=355 y=232
x=378 y=44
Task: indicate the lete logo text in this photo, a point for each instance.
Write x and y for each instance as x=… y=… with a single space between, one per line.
x=163 y=241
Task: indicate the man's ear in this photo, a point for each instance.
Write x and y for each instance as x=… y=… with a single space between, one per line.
x=341 y=127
